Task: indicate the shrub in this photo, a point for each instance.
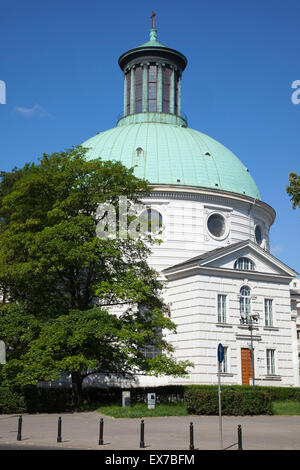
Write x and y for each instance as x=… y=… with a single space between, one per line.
x=199 y=399
x=234 y=402
x=47 y=400
x=11 y=402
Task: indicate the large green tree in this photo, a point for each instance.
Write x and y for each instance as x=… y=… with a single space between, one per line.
x=60 y=281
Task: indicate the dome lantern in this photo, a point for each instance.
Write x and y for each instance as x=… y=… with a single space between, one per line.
x=152 y=83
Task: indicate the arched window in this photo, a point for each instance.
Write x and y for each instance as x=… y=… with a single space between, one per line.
x=245 y=264
x=245 y=303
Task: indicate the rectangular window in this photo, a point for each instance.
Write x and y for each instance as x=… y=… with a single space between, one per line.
x=224 y=363
x=221 y=308
x=269 y=312
x=138 y=78
x=152 y=88
x=270 y=361
x=166 y=78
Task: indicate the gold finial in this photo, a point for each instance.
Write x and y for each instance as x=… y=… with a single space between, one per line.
x=152 y=17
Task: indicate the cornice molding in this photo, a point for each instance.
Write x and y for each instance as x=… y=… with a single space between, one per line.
x=210 y=195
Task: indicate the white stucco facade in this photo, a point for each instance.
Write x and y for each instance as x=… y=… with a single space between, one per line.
x=193 y=291
x=185 y=213
x=193 y=287
x=198 y=267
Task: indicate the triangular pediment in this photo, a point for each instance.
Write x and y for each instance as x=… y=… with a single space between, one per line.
x=225 y=258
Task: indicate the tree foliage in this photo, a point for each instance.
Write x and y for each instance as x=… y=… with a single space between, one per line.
x=60 y=281
x=293 y=189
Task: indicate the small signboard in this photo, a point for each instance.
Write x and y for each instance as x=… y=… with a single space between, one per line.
x=151 y=400
x=125 y=399
x=220 y=353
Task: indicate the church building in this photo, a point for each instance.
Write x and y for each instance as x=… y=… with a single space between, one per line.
x=222 y=283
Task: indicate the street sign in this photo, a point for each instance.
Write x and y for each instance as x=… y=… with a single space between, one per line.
x=220 y=360
x=220 y=353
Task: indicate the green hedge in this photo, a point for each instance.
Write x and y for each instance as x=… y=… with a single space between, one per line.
x=282 y=393
x=111 y=395
x=234 y=402
x=47 y=400
x=199 y=399
x=11 y=402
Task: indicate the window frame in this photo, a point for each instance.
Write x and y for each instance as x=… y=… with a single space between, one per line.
x=152 y=85
x=222 y=308
x=241 y=261
x=224 y=363
x=138 y=89
x=270 y=361
x=258 y=226
x=245 y=303
x=226 y=230
x=269 y=313
x=166 y=89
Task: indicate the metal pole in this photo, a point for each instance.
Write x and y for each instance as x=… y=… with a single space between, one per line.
x=59 y=430
x=19 y=436
x=252 y=354
x=101 y=432
x=142 y=441
x=191 y=436
x=240 y=445
x=220 y=408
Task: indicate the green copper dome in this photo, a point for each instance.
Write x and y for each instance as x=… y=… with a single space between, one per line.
x=173 y=155
x=153 y=137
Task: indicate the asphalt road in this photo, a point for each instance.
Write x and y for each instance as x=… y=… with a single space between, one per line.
x=80 y=431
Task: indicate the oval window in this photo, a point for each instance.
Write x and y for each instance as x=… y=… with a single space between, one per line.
x=216 y=225
x=258 y=235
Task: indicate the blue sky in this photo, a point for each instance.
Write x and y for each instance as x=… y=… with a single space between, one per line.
x=63 y=82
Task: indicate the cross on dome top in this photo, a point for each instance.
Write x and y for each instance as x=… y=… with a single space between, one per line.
x=152 y=17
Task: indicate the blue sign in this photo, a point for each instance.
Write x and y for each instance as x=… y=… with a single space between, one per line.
x=220 y=353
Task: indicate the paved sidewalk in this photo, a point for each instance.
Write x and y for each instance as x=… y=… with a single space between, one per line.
x=81 y=431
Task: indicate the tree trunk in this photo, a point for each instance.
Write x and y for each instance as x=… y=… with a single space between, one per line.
x=77 y=380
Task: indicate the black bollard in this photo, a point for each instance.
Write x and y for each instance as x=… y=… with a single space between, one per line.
x=142 y=441
x=101 y=432
x=191 y=436
x=19 y=436
x=59 y=430
x=240 y=444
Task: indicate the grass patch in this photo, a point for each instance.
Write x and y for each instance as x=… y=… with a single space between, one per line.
x=140 y=410
x=286 y=407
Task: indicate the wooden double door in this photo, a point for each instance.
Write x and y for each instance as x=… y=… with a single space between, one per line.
x=246 y=366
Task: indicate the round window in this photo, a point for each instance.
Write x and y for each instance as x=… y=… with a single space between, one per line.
x=151 y=220
x=216 y=225
x=258 y=235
